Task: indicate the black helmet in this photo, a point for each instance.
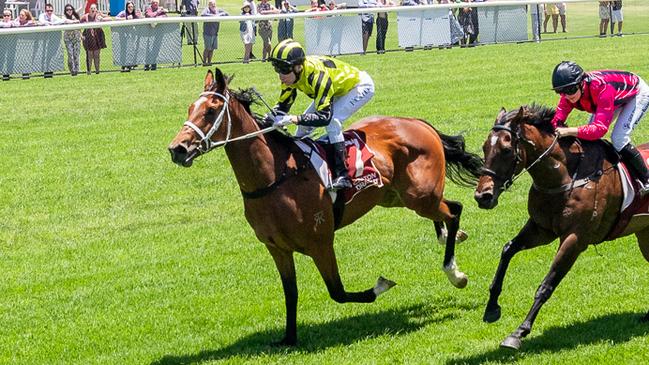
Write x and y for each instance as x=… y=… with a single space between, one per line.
x=285 y=54
x=566 y=77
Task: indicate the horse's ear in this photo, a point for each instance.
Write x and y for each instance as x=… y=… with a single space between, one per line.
x=221 y=81
x=523 y=113
x=501 y=114
x=209 y=80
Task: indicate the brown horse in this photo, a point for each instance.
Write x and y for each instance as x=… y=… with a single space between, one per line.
x=576 y=196
x=288 y=207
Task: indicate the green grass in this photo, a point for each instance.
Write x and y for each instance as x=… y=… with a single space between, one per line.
x=109 y=253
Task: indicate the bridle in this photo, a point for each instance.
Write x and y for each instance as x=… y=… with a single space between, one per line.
x=206 y=144
x=516 y=137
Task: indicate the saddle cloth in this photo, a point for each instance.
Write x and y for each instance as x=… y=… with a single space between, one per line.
x=360 y=166
x=634 y=207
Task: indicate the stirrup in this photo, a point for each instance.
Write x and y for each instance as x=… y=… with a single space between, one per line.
x=341 y=182
x=643 y=188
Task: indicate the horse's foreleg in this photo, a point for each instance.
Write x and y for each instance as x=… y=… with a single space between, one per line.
x=643 y=243
x=563 y=261
x=286 y=267
x=530 y=236
x=452 y=271
x=325 y=261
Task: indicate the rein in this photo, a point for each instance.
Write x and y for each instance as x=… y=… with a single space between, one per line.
x=206 y=144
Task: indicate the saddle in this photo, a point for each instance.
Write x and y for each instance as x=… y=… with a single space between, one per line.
x=360 y=166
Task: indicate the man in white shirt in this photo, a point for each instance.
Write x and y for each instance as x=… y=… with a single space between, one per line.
x=48 y=17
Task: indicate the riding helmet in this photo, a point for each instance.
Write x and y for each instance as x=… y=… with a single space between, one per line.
x=566 y=74
x=289 y=52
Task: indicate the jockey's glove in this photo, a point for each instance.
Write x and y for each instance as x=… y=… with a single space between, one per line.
x=282 y=121
x=274 y=116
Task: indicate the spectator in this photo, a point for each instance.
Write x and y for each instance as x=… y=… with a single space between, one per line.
x=25 y=19
x=562 y=15
x=191 y=29
x=382 y=26
x=48 y=17
x=604 y=16
x=247 y=31
x=88 y=4
x=211 y=31
x=7 y=19
x=129 y=13
x=94 y=39
x=413 y=2
x=285 y=27
x=72 y=39
x=617 y=16
x=154 y=11
x=316 y=7
x=7 y=22
x=265 y=28
x=551 y=10
x=468 y=19
x=536 y=24
x=368 y=21
x=333 y=6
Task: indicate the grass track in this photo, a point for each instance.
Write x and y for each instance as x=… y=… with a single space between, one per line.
x=112 y=254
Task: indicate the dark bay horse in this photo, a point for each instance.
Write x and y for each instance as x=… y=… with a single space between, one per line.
x=576 y=196
x=288 y=207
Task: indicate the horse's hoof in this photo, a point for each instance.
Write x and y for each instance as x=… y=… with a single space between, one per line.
x=383 y=285
x=511 y=342
x=461 y=282
x=285 y=342
x=461 y=237
x=491 y=316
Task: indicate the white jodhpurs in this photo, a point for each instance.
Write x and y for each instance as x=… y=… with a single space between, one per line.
x=629 y=115
x=343 y=107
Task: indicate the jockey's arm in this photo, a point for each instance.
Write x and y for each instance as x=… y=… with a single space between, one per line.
x=319 y=118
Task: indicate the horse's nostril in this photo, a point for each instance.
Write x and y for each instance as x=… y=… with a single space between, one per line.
x=180 y=149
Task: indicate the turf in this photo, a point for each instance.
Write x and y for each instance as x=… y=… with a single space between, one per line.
x=110 y=253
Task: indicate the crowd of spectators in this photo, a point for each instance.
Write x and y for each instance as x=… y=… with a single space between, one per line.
x=463 y=23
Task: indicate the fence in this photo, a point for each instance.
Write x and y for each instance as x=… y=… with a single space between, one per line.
x=163 y=41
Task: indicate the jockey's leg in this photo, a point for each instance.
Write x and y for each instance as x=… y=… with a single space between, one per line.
x=340 y=176
x=629 y=116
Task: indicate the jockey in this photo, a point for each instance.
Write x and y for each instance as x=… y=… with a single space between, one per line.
x=606 y=94
x=338 y=90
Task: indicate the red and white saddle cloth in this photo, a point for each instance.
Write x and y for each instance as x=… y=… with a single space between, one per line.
x=635 y=209
x=360 y=166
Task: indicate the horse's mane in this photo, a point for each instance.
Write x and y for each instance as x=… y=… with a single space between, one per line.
x=249 y=96
x=541 y=117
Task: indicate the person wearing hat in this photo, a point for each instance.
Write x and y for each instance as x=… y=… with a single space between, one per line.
x=605 y=94
x=247 y=31
x=338 y=90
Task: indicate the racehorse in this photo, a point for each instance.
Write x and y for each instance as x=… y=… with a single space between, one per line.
x=289 y=208
x=576 y=196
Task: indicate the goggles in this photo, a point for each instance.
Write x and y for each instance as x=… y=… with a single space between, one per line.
x=567 y=90
x=282 y=67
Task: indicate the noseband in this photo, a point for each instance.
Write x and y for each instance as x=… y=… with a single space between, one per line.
x=508 y=181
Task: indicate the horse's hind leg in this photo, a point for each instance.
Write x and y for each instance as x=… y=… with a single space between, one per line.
x=442 y=234
x=643 y=242
x=325 y=261
x=455 y=276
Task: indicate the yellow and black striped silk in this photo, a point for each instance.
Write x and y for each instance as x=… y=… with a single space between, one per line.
x=321 y=79
x=287 y=50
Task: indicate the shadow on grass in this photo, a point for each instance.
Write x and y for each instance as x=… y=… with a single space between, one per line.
x=615 y=328
x=315 y=337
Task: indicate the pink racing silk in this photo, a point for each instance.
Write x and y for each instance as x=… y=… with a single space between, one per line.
x=603 y=92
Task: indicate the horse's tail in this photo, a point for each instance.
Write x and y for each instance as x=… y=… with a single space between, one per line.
x=462 y=167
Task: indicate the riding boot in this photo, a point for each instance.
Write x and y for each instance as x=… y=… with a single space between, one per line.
x=635 y=159
x=341 y=179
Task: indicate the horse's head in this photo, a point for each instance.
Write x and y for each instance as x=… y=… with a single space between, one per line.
x=505 y=151
x=205 y=121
